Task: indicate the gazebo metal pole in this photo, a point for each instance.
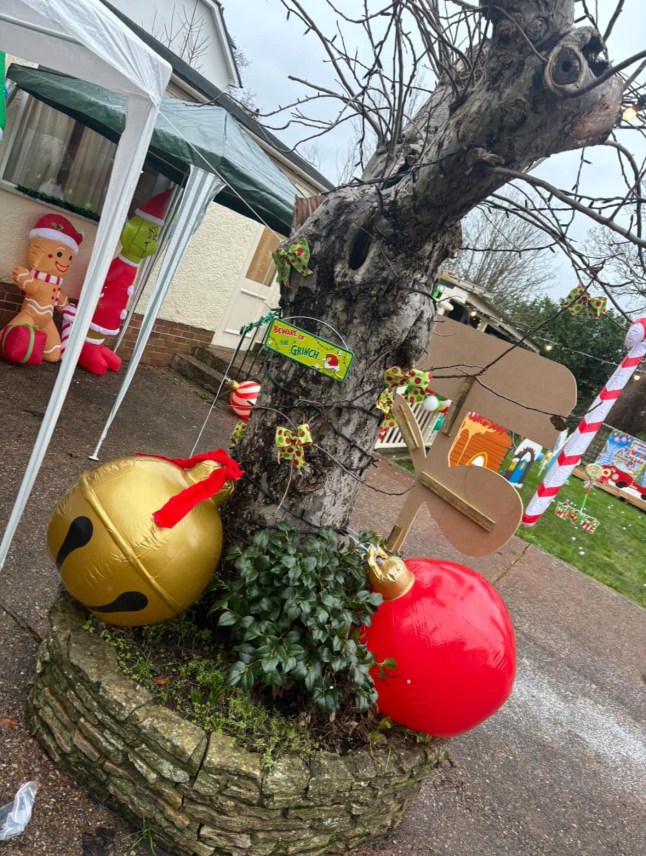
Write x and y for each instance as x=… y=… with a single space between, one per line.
x=200 y=190
x=140 y=122
x=148 y=264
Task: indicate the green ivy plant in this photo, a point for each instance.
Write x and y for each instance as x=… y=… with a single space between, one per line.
x=295 y=610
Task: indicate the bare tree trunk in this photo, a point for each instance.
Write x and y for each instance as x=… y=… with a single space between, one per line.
x=376 y=249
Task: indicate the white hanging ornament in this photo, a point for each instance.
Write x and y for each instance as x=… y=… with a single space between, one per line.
x=430 y=403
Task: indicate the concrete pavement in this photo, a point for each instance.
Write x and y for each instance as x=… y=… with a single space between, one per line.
x=559 y=770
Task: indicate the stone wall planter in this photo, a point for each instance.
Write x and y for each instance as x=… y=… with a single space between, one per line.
x=203 y=794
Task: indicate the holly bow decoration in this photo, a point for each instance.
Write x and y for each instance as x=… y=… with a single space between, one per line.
x=578 y=300
x=238 y=432
x=416 y=387
x=297 y=256
x=290 y=444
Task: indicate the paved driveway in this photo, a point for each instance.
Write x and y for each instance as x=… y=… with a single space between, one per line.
x=559 y=770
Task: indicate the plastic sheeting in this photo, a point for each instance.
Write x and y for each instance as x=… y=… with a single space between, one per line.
x=186 y=134
x=87 y=40
x=201 y=189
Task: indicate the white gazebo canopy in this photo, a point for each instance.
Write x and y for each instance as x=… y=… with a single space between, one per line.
x=86 y=40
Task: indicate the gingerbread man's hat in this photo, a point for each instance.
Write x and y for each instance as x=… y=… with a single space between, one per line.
x=55 y=227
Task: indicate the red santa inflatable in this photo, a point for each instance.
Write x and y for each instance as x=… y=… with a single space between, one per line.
x=138 y=240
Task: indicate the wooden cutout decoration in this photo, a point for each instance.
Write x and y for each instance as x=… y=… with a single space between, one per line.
x=304 y=208
x=480 y=439
x=474 y=514
x=477 y=509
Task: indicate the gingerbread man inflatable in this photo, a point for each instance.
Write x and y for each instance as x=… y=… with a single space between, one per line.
x=32 y=337
x=138 y=240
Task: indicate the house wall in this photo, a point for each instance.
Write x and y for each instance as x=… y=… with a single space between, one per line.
x=167 y=339
x=208 y=275
x=163 y=20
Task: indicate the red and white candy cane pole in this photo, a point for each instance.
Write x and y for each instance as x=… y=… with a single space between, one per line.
x=573 y=450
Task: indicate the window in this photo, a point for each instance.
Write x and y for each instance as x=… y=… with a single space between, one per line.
x=65 y=161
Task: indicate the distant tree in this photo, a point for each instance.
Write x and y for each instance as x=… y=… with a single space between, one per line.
x=504 y=254
x=352 y=159
x=589 y=347
x=312 y=154
x=622 y=267
x=184 y=34
x=244 y=96
x=629 y=413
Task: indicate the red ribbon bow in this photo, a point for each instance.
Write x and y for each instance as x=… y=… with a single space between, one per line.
x=178 y=506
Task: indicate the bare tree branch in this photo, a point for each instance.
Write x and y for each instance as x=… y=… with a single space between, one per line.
x=611 y=72
x=613 y=20
x=564 y=197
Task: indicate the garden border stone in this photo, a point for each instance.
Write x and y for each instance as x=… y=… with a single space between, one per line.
x=204 y=795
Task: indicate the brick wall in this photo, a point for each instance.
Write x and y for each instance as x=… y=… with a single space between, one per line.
x=10 y=302
x=167 y=338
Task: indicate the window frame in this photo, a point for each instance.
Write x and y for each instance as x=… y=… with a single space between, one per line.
x=12 y=139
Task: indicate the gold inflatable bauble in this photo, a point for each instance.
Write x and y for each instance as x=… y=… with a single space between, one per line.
x=114 y=558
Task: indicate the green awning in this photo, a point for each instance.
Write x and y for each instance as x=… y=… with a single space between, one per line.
x=186 y=133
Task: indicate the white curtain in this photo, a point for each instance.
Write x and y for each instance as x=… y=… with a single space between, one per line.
x=88 y=180
x=53 y=154
x=39 y=146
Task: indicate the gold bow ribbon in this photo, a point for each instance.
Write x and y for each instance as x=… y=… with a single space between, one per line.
x=297 y=256
x=416 y=387
x=578 y=299
x=290 y=444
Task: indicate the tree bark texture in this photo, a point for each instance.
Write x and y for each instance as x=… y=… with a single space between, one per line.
x=376 y=248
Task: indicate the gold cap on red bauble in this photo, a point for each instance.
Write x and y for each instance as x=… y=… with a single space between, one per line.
x=388 y=574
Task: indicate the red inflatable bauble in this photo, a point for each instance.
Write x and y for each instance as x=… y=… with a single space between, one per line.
x=243 y=397
x=453 y=641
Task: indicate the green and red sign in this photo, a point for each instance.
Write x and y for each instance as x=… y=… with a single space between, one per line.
x=324 y=357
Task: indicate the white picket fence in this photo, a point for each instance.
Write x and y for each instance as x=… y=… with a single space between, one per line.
x=426 y=419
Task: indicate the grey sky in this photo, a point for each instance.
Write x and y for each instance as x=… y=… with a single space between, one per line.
x=276 y=48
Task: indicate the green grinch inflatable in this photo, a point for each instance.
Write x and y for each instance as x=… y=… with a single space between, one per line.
x=138 y=240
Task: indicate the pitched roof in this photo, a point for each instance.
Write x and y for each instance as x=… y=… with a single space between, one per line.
x=214 y=95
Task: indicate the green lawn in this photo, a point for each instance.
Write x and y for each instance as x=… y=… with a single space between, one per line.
x=615 y=554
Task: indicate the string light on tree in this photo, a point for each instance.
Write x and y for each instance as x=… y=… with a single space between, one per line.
x=632 y=110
